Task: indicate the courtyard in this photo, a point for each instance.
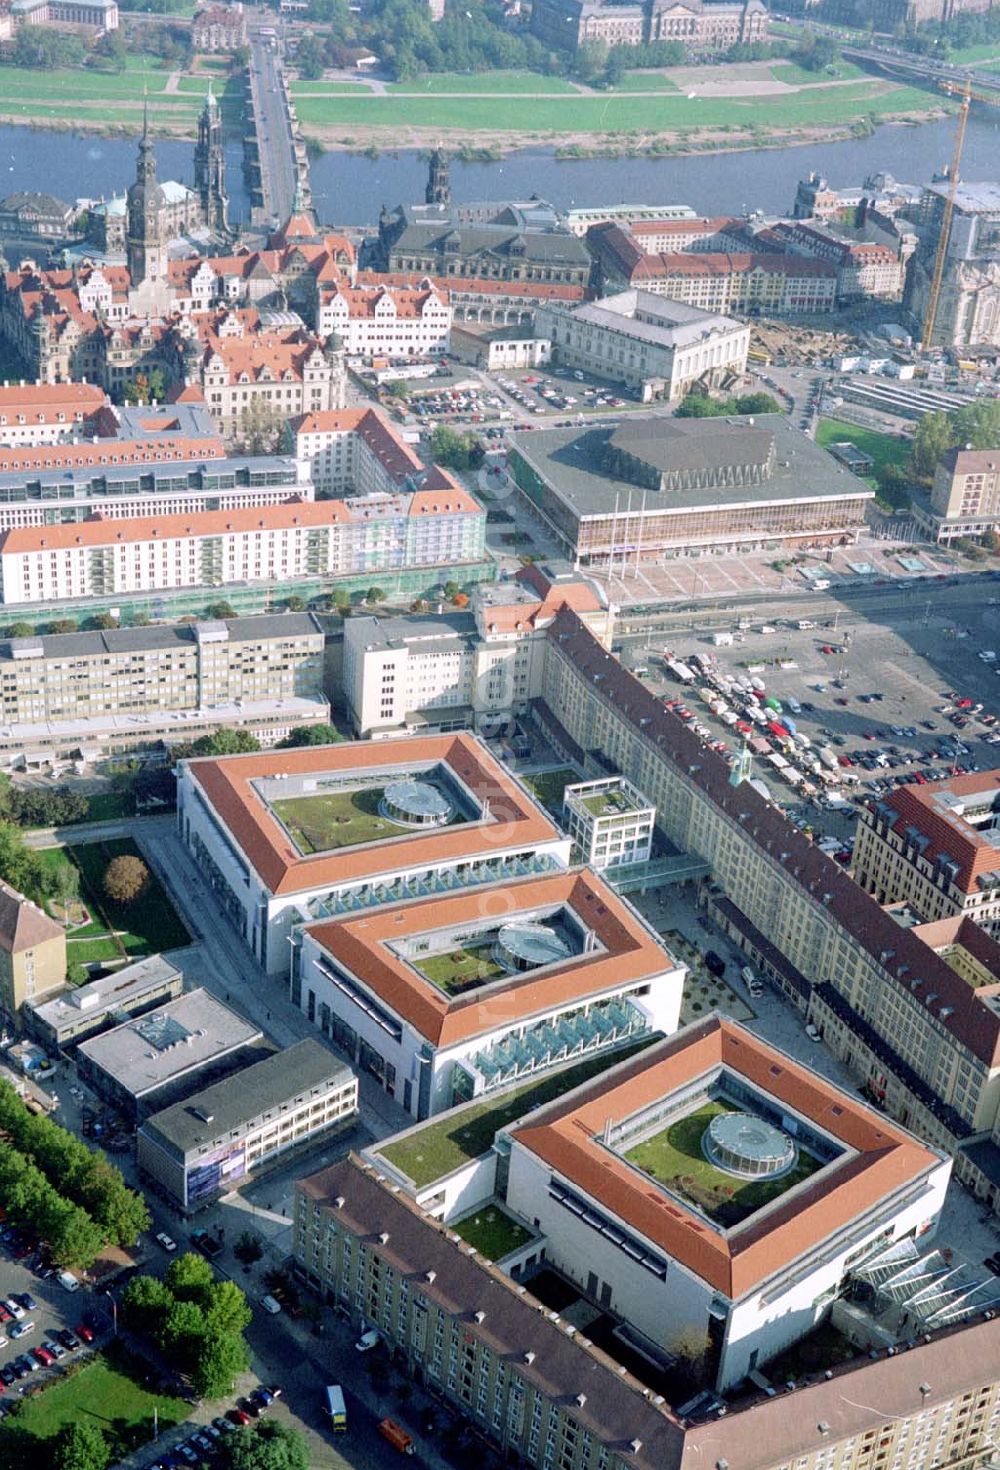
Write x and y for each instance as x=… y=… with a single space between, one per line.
x=461 y=968
x=674 y=1158
x=328 y=821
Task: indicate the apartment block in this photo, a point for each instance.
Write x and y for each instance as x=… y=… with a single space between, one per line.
x=540 y=1391
x=456 y=670
x=48 y=413
x=216 y=1139
x=965 y=496
x=443 y=526
x=129 y=687
x=935 y=848
x=354 y=449
x=922 y=1040
x=32 y=953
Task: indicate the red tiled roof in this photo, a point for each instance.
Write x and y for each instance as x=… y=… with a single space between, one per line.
x=458 y=286
x=41 y=402
x=100 y=532
x=721 y=263
x=109 y=452
x=567 y=1136
x=949 y=834
x=629 y=953
x=514 y=821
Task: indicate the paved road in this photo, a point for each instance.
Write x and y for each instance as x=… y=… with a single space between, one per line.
x=274 y=134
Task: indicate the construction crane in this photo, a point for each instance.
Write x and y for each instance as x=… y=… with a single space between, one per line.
x=968 y=96
x=941 y=254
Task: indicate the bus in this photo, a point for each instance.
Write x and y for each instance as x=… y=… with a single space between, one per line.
x=336 y=1409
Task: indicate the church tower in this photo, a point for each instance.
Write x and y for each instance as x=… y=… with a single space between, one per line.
x=210 y=168
x=438 y=189
x=146 y=246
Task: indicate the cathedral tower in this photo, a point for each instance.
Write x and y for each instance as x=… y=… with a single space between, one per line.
x=438 y=189
x=147 y=248
x=210 y=168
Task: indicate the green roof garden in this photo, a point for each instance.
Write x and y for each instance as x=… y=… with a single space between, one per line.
x=492 y=1231
x=445 y=1143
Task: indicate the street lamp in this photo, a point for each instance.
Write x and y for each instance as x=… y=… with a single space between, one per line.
x=114 y=1310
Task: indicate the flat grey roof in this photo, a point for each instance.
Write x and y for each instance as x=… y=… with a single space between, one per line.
x=135 y=640
x=971 y=197
x=239 y=1100
x=100 y=996
x=191 y=1031
x=456 y=628
x=677 y=324
x=571 y=462
x=81 y=477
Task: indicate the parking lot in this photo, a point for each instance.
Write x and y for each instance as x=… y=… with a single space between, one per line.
x=35 y=1310
x=915 y=699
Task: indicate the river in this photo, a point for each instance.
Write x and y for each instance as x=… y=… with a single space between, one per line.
x=350 y=189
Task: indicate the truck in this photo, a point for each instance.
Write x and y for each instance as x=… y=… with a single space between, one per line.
x=336 y=1409
x=680 y=671
x=722 y=640
x=209 y=1245
x=396 y=1435
x=828 y=758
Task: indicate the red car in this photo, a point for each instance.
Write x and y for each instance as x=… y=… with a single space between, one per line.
x=43 y=1356
x=82 y=1330
x=826 y=648
x=239 y=1416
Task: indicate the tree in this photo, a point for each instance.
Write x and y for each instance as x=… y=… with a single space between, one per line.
x=310 y=58
x=181 y=1334
x=451 y=449
x=933 y=436
x=260 y=427
x=81 y=1446
x=61 y=625
x=220 y=610
x=190 y=1278
x=20 y=630
x=102 y=622
x=294 y=603
x=226 y=741
x=248 y=1248
x=375 y=594
x=125 y=877
x=19 y=866
x=228 y=1310
x=266 y=1445
x=310 y=735
x=221 y=1358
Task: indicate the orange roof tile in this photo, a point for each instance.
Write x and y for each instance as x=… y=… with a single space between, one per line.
x=133 y=529
x=39 y=401
x=629 y=953
x=949 y=834
x=883 y=1159
x=513 y=822
x=109 y=452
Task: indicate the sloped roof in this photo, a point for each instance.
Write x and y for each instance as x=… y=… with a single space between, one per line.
x=628 y=952
x=227 y=785
x=882 y=1158
x=22 y=923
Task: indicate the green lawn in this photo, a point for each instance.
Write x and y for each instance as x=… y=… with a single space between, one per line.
x=336 y=819
x=674 y=1158
x=492 y=1231
x=460 y=969
x=988 y=51
x=115 y=931
x=646 y=81
x=548 y=787
x=800 y=76
x=885 y=449
x=530 y=84
x=615 y=112
x=109 y=1391
x=465 y=1133
x=108 y=806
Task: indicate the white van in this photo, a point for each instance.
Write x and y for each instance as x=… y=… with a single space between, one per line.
x=270 y=1305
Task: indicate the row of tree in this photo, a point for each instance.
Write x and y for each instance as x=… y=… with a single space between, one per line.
x=83 y=1176
x=697 y=405
x=34 y=1205
x=975 y=426
x=197 y=1322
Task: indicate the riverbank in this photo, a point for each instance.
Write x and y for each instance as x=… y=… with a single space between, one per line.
x=686 y=110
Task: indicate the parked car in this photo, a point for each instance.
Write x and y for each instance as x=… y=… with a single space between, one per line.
x=168 y=1244
x=372 y=1339
x=21 y=1329
x=84 y=1331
